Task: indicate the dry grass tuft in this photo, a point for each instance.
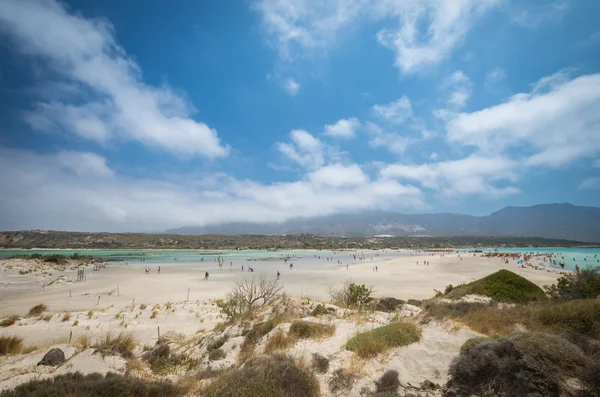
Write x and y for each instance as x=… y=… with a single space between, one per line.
x=279 y=341
x=275 y=375
x=341 y=381
x=122 y=344
x=83 y=341
x=66 y=317
x=10 y=345
x=581 y=316
x=37 y=310
x=95 y=385
x=163 y=362
x=10 y=320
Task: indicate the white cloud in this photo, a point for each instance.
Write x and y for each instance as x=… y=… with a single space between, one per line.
x=532 y=15
x=338 y=175
x=392 y=141
x=304 y=149
x=45 y=191
x=459 y=87
x=494 y=77
x=590 y=183
x=468 y=176
x=396 y=112
x=291 y=87
x=558 y=121
x=424 y=33
x=344 y=128
x=117 y=103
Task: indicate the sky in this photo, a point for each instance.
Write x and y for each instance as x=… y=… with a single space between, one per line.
x=136 y=116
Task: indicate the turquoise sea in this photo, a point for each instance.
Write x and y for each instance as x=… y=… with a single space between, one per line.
x=583 y=257
x=231 y=258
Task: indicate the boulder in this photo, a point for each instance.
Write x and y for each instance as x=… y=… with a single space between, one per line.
x=53 y=358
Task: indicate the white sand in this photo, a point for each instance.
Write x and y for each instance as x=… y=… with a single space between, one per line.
x=400 y=277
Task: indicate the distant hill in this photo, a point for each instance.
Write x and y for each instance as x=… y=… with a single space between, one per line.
x=554 y=221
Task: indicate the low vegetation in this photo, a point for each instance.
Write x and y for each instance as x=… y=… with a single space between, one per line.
x=275 y=375
x=216 y=355
x=248 y=295
x=94 y=385
x=502 y=286
x=341 y=381
x=308 y=329
x=163 y=362
x=477 y=340
x=10 y=345
x=389 y=383
x=582 y=284
x=521 y=364
x=371 y=343
x=258 y=331
x=37 y=310
x=10 y=320
x=320 y=363
x=66 y=317
x=580 y=316
x=351 y=295
x=279 y=341
x=121 y=344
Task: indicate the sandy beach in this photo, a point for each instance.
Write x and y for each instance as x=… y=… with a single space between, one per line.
x=121 y=298
x=399 y=277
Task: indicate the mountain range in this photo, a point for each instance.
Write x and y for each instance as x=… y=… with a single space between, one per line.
x=556 y=221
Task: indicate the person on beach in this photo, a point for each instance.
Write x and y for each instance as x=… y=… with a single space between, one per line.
x=242 y=267
x=159 y=270
x=278 y=274
x=206 y=276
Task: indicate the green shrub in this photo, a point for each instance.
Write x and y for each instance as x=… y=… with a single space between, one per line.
x=10 y=320
x=388 y=304
x=94 y=385
x=371 y=343
x=351 y=295
x=319 y=310
x=476 y=340
x=37 y=310
x=162 y=361
x=582 y=316
x=320 y=363
x=388 y=383
x=583 y=284
x=528 y=364
x=502 y=286
x=216 y=344
x=307 y=330
x=274 y=376
x=216 y=354
x=10 y=345
x=341 y=381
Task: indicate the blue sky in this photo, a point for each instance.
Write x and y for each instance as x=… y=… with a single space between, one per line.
x=120 y=116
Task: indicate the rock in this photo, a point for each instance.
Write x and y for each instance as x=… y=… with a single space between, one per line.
x=53 y=358
x=429 y=385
